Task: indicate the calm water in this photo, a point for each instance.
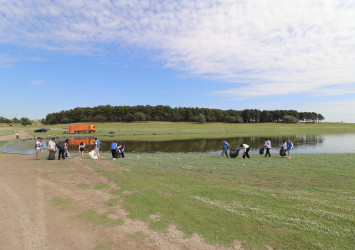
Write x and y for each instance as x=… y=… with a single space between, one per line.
x=339 y=143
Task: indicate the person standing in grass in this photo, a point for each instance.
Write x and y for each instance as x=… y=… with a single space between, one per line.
x=267 y=145
x=114 y=149
x=38 y=145
x=283 y=148
x=246 y=150
x=66 y=144
x=97 y=147
x=224 y=148
x=51 y=148
x=289 y=147
x=17 y=135
x=82 y=148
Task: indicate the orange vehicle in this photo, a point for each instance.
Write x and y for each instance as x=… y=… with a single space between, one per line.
x=77 y=141
x=77 y=129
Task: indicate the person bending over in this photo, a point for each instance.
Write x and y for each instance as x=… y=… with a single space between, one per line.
x=246 y=150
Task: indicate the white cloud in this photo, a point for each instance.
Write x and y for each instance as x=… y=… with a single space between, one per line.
x=274 y=47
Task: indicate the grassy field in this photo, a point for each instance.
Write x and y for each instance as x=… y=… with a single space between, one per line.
x=306 y=202
x=186 y=130
x=7 y=130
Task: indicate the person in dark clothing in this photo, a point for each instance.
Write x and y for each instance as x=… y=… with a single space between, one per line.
x=61 y=151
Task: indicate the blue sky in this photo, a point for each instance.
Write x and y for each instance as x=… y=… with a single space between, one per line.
x=58 y=55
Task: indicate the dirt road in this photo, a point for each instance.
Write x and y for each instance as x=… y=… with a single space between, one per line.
x=41 y=203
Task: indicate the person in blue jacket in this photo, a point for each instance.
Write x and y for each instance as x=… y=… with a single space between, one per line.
x=114 y=149
x=97 y=147
x=225 y=147
x=289 y=147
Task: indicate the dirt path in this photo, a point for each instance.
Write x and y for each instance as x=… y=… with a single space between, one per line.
x=22 y=133
x=40 y=202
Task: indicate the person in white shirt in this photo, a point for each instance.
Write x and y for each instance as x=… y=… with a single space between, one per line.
x=51 y=149
x=267 y=145
x=38 y=145
x=246 y=150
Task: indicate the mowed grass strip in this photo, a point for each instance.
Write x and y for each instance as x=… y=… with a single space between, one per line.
x=303 y=202
x=160 y=131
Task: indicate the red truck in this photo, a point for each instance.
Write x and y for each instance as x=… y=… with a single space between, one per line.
x=77 y=129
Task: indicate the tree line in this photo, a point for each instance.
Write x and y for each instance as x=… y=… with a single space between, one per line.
x=110 y=113
x=23 y=120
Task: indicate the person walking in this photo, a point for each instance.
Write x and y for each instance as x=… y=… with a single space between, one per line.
x=289 y=147
x=51 y=149
x=283 y=148
x=246 y=150
x=61 y=151
x=82 y=148
x=17 y=135
x=121 y=148
x=38 y=145
x=225 y=147
x=267 y=146
x=66 y=145
x=97 y=147
x=114 y=149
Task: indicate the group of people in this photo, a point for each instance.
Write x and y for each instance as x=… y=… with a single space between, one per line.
x=286 y=145
x=117 y=150
x=226 y=146
x=63 y=151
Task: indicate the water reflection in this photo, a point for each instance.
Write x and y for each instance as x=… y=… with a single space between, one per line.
x=340 y=143
x=302 y=144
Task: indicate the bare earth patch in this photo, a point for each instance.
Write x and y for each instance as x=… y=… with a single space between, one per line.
x=41 y=202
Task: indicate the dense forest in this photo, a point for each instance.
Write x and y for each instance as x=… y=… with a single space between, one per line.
x=110 y=113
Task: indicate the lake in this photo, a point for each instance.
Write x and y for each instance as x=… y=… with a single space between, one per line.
x=336 y=143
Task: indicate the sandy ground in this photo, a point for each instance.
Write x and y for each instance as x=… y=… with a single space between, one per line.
x=29 y=219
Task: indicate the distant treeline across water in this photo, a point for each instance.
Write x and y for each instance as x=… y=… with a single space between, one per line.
x=110 y=113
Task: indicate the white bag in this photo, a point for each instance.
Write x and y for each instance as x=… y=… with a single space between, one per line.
x=93 y=155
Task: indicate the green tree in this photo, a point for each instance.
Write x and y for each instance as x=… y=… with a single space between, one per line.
x=290 y=119
x=229 y=119
x=25 y=121
x=200 y=118
x=139 y=116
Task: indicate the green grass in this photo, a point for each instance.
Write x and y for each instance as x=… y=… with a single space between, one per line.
x=112 y=202
x=138 y=236
x=99 y=219
x=101 y=186
x=62 y=204
x=83 y=185
x=187 y=130
x=105 y=246
x=303 y=202
x=7 y=130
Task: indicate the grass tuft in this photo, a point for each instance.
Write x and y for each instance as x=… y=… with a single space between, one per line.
x=99 y=219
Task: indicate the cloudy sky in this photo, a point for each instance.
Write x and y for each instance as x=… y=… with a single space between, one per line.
x=227 y=54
